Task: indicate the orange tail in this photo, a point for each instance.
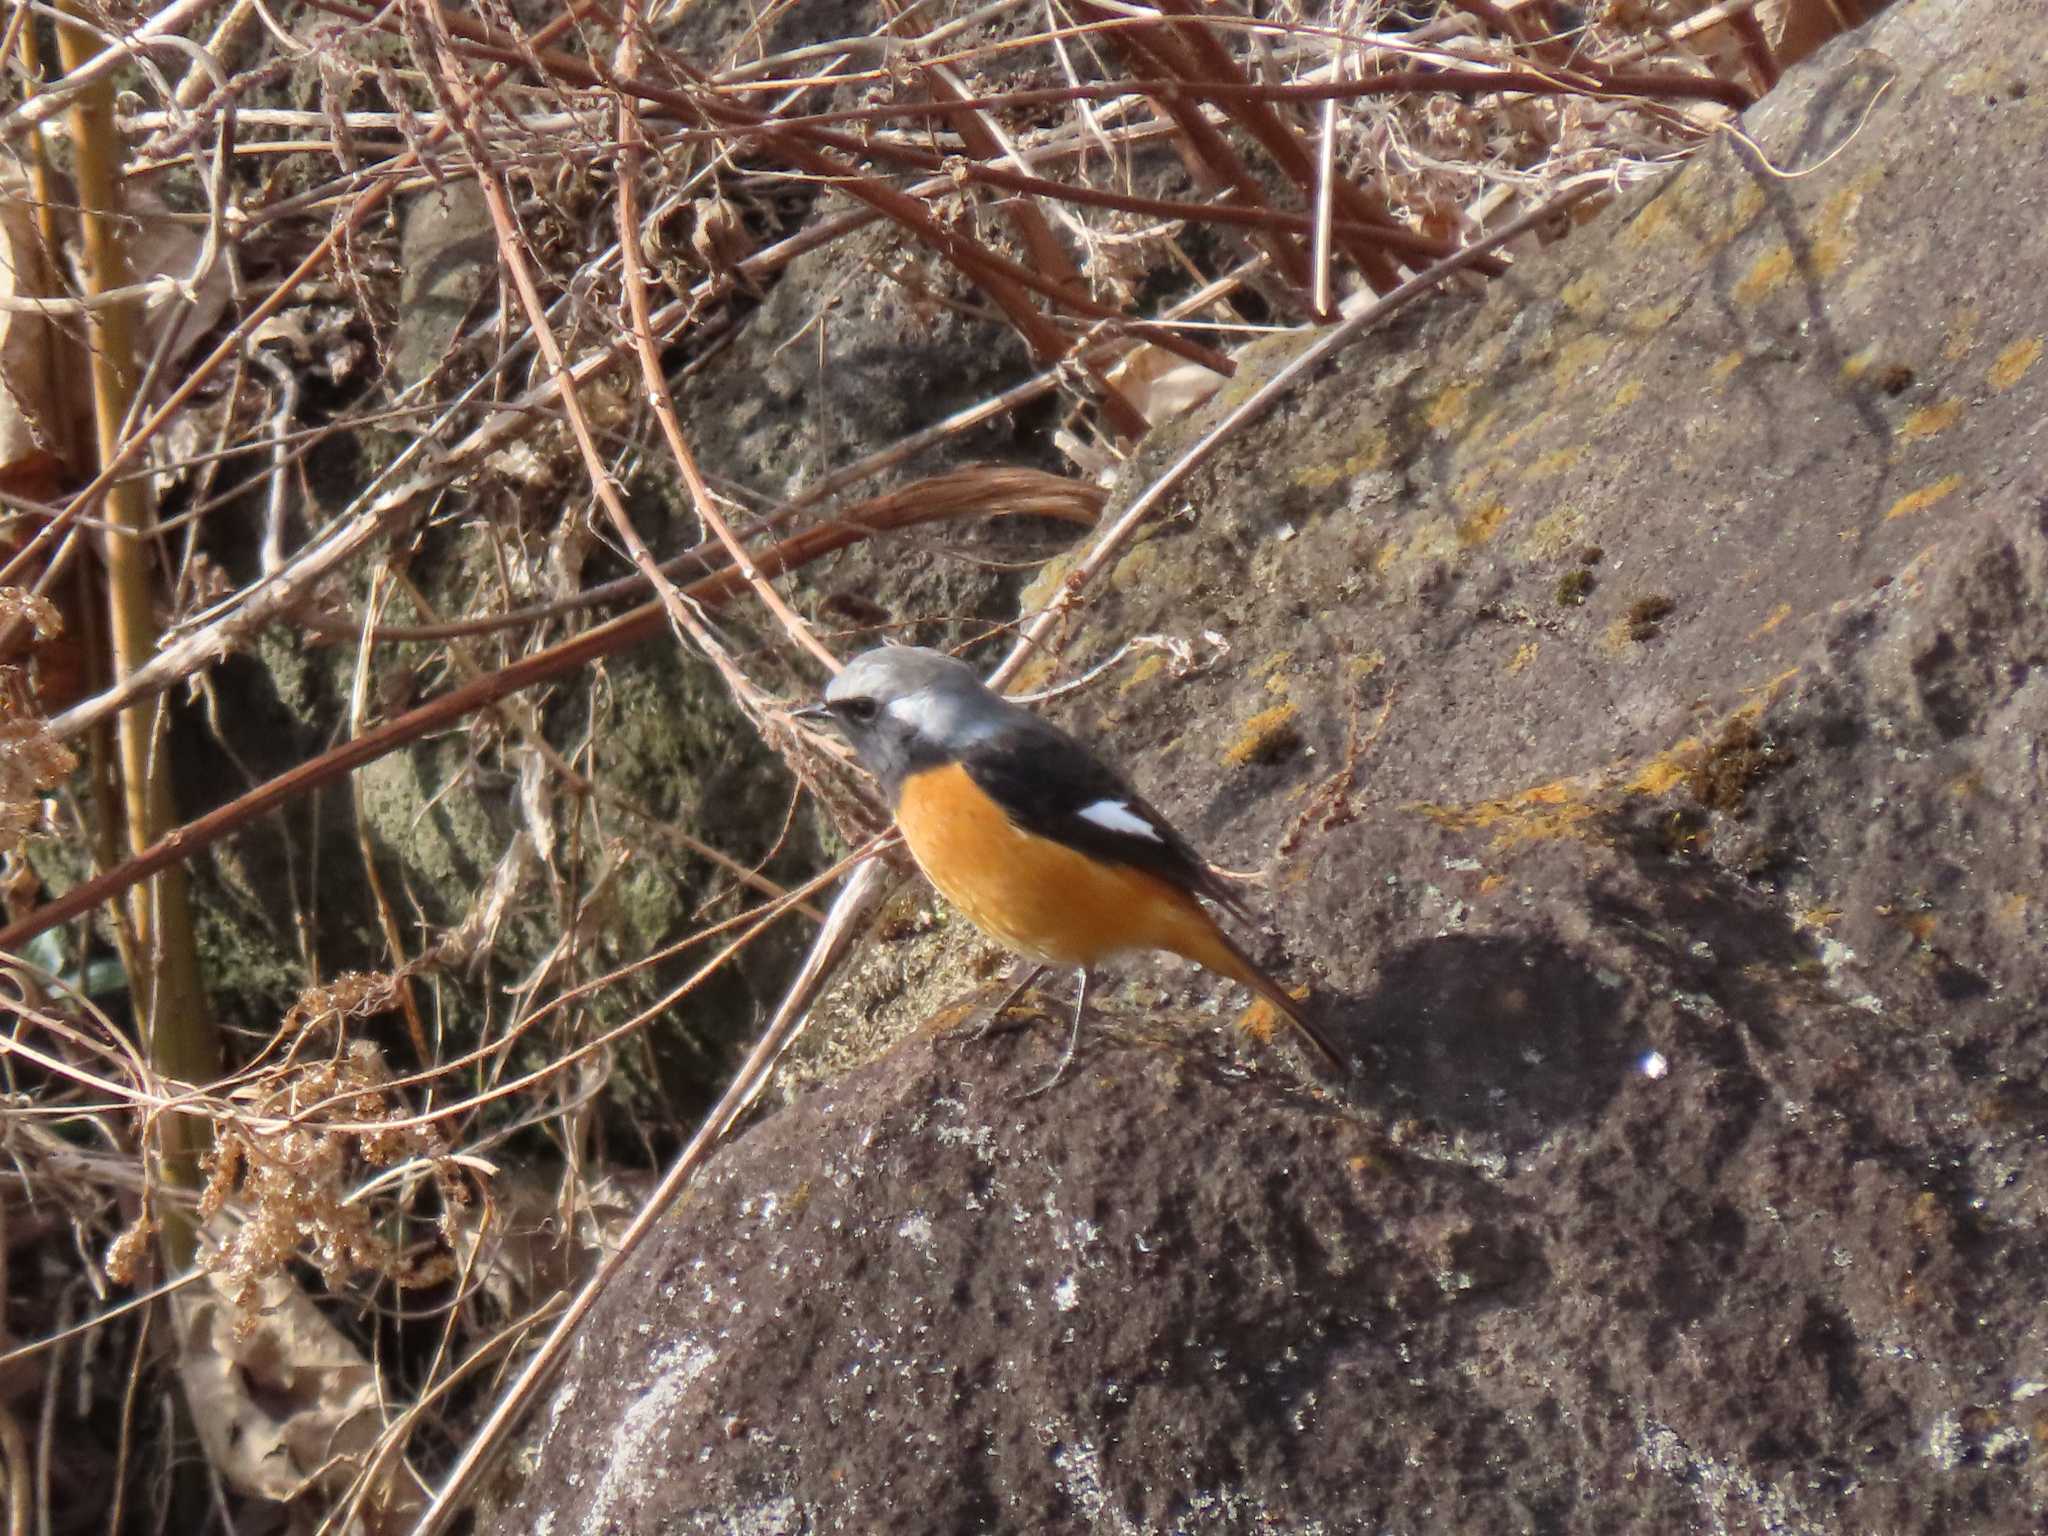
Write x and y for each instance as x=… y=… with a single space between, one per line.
x=1202 y=940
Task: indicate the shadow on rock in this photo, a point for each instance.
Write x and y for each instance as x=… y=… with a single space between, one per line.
x=1507 y=1037
x=1705 y=930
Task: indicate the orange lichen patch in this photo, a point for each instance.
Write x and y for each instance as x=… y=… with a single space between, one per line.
x=1915 y=570
x=2012 y=364
x=1366 y=664
x=1447 y=412
x=1267 y=735
x=1434 y=539
x=1778 y=616
x=1718 y=774
x=1522 y=657
x=1556 y=462
x=1925 y=497
x=1768 y=272
x=1818 y=917
x=1743 y=208
x=1651 y=318
x=1962 y=333
x=1931 y=420
x=1563 y=807
x=2011 y=911
x=1578 y=358
x=1261 y=1021
x=1861 y=361
x=1037 y=673
x=1514 y=439
x=1829 y=246
x=1668 y=769
x=1652 y=221
x=1468 y=487
x=1143 y=673
x=1763 y=693
x=1921 y=925
x=1558 y=809
x=1725 y=366
x=1274 y=662
x=1828 y=252
x=1487 y=425
x=1480 y=526
x=1551 y=536
x=1583 y=296
x=1373 y=452
x=1626 y=396
x=1491 y=883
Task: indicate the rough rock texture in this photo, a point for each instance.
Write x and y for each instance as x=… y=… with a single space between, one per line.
x=1637 y=699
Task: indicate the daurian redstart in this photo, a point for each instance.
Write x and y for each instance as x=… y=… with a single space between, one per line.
x=1038 y=840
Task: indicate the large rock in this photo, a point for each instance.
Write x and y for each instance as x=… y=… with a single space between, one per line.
x=1685 y=902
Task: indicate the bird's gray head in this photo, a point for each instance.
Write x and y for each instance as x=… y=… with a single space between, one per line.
x=905 y=708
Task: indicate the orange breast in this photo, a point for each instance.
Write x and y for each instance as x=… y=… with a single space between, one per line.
x=1040 y=897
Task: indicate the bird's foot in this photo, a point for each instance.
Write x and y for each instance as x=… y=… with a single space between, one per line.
x=1073 y=1041
x=980 y=1024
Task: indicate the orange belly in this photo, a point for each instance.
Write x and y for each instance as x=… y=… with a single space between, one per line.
x=1040 y=897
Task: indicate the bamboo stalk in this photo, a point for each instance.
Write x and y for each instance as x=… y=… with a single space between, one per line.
x=177 y=1032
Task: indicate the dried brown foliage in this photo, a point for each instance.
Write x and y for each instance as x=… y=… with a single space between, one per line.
x=304 y=1139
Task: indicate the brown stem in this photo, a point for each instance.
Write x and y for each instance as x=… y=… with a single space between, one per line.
x=178 y=1032
x=1289 y=153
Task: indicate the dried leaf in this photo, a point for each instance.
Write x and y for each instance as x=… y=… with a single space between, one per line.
x=284 y=1403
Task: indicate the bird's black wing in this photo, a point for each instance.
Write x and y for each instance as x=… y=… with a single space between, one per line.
x=1051 y=785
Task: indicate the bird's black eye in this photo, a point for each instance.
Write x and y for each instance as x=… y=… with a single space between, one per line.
x=859 y=711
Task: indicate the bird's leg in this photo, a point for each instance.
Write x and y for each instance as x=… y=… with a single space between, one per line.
x=988 y=1023
x=1073 y=1039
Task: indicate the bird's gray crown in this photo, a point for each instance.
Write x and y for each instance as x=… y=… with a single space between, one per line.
x=893 y=671
x=905 y=708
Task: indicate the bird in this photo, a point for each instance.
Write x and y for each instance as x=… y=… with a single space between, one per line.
x=1031 y=834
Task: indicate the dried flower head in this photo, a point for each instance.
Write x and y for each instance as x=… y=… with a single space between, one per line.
x=305 y=1139
x=125 y=1253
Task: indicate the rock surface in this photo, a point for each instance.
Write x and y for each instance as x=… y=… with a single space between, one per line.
x=1638 y=693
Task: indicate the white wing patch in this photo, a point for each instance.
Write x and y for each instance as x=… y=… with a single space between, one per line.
x=1116 y=816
